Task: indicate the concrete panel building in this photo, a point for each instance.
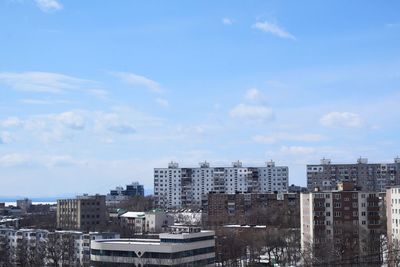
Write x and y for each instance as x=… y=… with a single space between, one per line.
x=176 y=187
x=346 y=221
x=86 y=213
x=366 y=176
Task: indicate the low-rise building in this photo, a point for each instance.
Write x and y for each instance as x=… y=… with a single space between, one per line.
x=278 y=209
x=154 y=221
x=120 y=194
x=182 y=246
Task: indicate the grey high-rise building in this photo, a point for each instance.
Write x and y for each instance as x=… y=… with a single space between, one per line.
x=366 y=176
x=86 y=213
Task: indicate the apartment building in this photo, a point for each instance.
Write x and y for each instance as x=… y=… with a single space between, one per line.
x=344 y=222
x=367 y=176
x=181 y=246
x=393 y=223
x=78 y=243
x=176 y=187
x=86 y=213
x=278 y=209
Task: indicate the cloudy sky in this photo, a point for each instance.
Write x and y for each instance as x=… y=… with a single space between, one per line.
x=94 y=95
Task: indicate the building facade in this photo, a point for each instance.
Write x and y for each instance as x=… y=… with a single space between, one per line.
x=393 y=223
x=274 y=209
x=120 y=194
x=86 y=213
x=182 y=246
x=154 y=221
x=176 y=187
x=367 y=176
x=345 y=222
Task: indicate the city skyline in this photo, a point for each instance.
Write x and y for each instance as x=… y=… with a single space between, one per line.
x=95 y=96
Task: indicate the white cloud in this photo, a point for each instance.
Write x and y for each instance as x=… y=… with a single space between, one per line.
x=72 y=120
x=138 y=80
x=112 y=122
x=11 y=122
x=41 y=82
x=252 y=112
x=14 y=159
x=341 y=119
x=274 y=138
x=162 y=102
x=43 y=101
x=5 y=138
x=227 y=21
x=273 y=29
x=49 y=5
x=254 y=94
x=99 y=93
x=297 y=150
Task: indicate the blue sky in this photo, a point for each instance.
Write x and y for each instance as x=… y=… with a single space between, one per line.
x=94 y=95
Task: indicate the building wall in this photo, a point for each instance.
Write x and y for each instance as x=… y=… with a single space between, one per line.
x=327 y=217
x=393 y=216
x=253 y=208
x=168 y=250
x=185 y=187
x=86 y=213
x=370 y=177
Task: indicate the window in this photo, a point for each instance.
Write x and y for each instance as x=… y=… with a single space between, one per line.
x=337 y=213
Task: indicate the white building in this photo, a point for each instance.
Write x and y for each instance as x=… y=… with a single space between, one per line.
x=33 y=237
x=182 y=246
x=176 y=187
x=393 y=218
x=154 y=221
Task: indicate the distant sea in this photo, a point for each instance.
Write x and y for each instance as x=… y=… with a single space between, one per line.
x=14 y=203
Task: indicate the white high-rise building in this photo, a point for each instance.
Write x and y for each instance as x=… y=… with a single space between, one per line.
x=186 y=187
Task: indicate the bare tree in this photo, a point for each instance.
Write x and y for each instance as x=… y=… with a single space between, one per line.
x=54 y=249
x=6 y=252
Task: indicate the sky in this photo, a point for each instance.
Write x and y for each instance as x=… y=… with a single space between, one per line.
x=95 y=94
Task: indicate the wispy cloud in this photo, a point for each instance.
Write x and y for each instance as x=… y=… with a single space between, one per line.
x=297 y=150
x=341 y=120
x=274 y=138
x=42 y=82
x=5 y=138
x=11 y=122
x=273 y=29
x=162 y=102
x=227 y=21
x=49 y=5
x=254 y=94
x=138 y=80
x=252 y=112
x=30 y=101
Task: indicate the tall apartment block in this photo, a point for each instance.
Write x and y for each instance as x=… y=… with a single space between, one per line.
x=186 y=187
x=86 y=213
x=344 y=222
x=367 y=176
x=393 y=222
